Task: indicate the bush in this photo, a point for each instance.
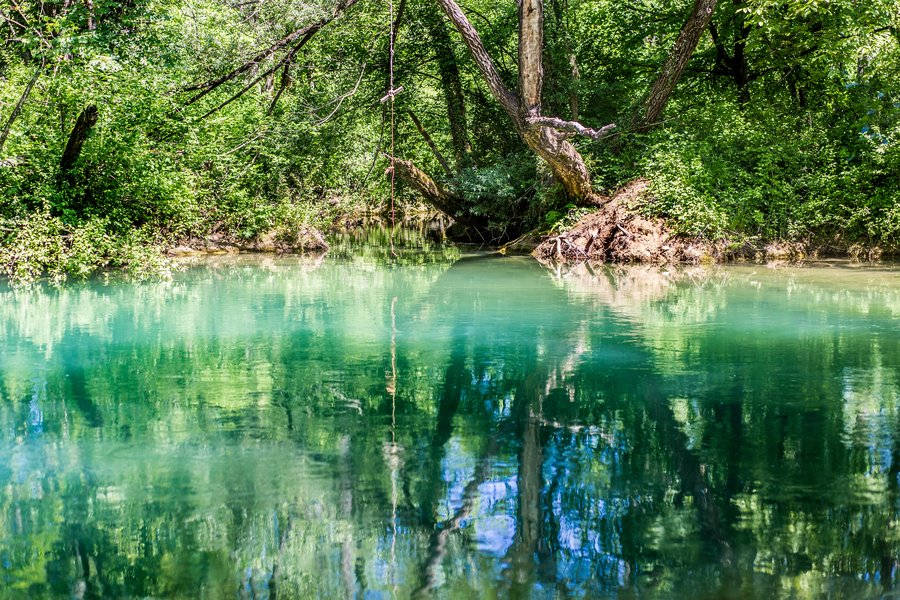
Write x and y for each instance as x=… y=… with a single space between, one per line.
x=41 y=245
x=745 y=174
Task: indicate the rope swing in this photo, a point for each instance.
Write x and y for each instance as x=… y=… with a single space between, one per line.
x=389 y=97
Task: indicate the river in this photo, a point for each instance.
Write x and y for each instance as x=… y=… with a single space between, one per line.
x=452 y=424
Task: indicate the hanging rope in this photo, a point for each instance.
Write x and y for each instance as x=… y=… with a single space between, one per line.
x=392 y=93
x=393 y=448
x=389 y=97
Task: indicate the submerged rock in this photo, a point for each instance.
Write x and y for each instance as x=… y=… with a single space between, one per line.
x=301 y=240
x=295 y=241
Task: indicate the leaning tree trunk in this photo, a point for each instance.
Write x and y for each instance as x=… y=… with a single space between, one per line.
x=18 y=107
x=86 y=121
x=438 y=196
x=674 y=65
x=428 y=140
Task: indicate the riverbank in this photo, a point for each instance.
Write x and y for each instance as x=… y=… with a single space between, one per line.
x=618 y=232
x=42 y=246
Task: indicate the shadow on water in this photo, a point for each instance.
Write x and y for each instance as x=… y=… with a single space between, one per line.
x=450 y=425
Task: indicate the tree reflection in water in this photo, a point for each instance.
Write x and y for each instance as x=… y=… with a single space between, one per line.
x=285 y=428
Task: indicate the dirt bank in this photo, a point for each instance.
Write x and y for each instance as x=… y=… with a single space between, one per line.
x=616 y=233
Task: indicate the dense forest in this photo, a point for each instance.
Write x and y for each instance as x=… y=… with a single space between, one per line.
x=128 y=127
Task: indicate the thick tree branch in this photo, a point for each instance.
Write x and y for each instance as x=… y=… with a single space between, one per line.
x=573 y=127
x=304 y=34
x=208 y=86
x=419 y=179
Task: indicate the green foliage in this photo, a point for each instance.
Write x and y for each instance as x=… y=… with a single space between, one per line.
x=499 y=193
x=805 y=147
x=563 y=218
x=42 y=245
x=765 y=175
x=498 y=186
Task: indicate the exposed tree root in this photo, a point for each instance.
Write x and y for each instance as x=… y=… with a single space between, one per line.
x=616 y=233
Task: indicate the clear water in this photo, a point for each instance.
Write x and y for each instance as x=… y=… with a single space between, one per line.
x=452 y=426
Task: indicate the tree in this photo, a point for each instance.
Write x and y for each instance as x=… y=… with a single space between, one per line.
x=675 y=63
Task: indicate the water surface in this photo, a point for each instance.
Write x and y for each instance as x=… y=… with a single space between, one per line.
x=454 y=426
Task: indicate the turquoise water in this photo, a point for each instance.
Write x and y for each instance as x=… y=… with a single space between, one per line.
x=453 y=426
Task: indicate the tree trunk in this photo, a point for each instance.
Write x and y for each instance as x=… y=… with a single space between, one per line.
x=443 y=200
x=531 y=43
x=739 y=68
x=86 y=120
x=564 y=160
x=482 y=59
x=734 y=65
x=450 y=81
x=18 y=107
x=674 y=65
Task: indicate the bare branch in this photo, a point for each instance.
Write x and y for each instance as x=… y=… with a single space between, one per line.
x=343 y=97
x=209 y=86
x=430 y=142
x=573 y=127
x=285 y=81
x=303 y=34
